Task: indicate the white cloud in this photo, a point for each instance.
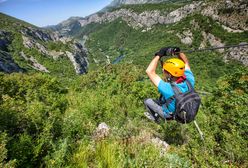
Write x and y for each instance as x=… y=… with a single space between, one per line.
x=1 y=1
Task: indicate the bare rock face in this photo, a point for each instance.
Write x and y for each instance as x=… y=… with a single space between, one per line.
x=121 y=2
x=34 y=63
x=212 y=40
x=78 y=58
x=144 y=19
x=5 y=40
x=38 y=39
x=240 y=54
x=186 y=37
x=55 y=54
x=7 y=64
x=39 y=34
x=101 y=132
x=232 y=14
x=31 y=43
x=183 y=12
x=77 y=55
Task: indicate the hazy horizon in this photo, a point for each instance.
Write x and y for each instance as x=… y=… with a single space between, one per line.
x=46 y=12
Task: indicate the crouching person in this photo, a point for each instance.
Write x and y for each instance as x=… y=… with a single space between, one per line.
x=176 y=71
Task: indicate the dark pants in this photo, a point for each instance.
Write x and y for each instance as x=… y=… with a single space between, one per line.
x=153 y=107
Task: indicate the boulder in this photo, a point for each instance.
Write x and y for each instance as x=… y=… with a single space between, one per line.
x=186 y=37
x=101 y=132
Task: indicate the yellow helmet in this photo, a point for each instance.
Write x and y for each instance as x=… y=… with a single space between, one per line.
x=174 y=66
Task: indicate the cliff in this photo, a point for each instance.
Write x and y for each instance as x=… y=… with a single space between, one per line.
x=28 y=46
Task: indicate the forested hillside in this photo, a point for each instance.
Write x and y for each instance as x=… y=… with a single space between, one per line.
x=52 y=119
x=26 y=48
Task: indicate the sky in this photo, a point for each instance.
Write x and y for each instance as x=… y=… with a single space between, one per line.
x=50 y=12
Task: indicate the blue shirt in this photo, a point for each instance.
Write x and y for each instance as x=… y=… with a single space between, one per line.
x=166 y=90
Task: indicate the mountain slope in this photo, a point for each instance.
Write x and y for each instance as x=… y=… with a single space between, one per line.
x=33 y=48
x=142 y=29
x=188 y=26
x=96 y=119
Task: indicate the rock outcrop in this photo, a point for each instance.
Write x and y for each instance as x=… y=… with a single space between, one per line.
x=212 y=40
x=101 y=132
x=78 y=58
x=5 y=40
x=31 y=43
x=39 y=34
x=144 y=19
x=34 y=63
x=232 y=14
x=186 y=37
x=238 y=53
x=35 y=39
x=125 y=2
x=77 y=54
x=7 y=64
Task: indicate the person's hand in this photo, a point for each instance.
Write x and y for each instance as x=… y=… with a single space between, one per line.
x=176 y=50
x=167 y=51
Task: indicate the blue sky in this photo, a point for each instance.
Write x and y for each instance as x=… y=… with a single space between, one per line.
x=50 y=12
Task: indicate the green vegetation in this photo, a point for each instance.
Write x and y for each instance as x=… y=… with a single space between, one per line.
x=139 y=47
x=60 y=66
x=47 y=123
x=48 y=120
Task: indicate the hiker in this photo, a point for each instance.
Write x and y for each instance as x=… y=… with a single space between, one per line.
x=176 y=71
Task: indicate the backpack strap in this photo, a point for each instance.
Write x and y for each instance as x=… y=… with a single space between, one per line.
x=190 y=87
x=175 y=89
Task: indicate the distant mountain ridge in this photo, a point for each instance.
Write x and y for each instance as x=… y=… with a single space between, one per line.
x=231 y=14
x=129 y=2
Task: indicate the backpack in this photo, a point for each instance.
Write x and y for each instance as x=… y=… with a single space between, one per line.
x=187 y=103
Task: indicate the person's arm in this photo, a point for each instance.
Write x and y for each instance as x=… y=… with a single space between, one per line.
x=151 y=71
x=183 y=57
